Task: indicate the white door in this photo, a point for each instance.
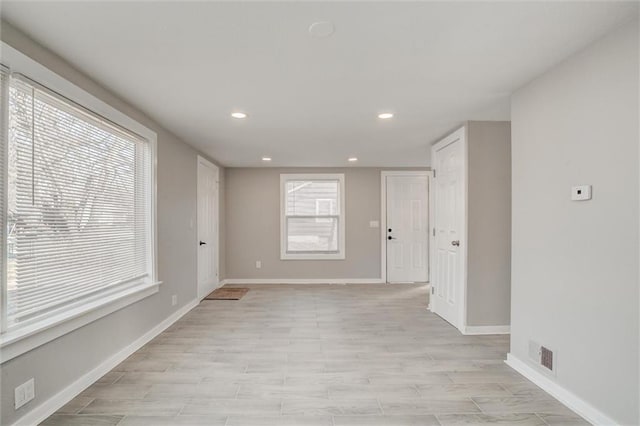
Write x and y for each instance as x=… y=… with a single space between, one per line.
x=207 y=232
x=448 y=277
x=407 y=230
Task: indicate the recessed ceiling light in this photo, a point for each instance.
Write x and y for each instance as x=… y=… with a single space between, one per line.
x=321 y=29
x=238 y=115
x=353 y=159
x=385 y=115
x=266 y=158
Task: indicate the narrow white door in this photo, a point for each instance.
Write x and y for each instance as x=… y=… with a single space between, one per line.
x=207 y=211
x=407 y=230
x=448 y=278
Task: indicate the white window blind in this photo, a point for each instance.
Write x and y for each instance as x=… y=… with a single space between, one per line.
x=313 y=214
x=4 y=129
x=78 y=214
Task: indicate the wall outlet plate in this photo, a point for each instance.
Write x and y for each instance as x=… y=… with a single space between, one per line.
x=24 y=393
x=258 y=264
x=581 y=193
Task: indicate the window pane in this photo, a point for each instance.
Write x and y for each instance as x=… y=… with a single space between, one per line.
x=312 y=198
x=312 y=234
x=78 y=207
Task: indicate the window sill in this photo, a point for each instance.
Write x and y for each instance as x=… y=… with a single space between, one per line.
x=17 y=342
x=311 y=256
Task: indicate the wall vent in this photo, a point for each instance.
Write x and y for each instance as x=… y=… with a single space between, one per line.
x=546 y=358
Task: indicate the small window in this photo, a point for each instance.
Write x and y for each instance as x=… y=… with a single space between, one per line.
x=312 y=216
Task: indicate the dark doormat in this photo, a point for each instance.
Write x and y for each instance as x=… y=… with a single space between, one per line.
x=223 y=293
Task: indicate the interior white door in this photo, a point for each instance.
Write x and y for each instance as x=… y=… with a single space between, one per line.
x=407 y=228
x=207 y=211
x=448 y=278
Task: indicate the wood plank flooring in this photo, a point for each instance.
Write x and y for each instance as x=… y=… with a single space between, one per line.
x=327 y=355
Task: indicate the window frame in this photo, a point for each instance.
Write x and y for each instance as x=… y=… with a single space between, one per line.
x=18 y=340
x=341 y=253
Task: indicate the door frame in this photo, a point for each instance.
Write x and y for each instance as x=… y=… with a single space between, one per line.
x=201 y=161
x=458 y=134
x=383 y=217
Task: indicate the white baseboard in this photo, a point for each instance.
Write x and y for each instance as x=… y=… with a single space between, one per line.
x=568 y=398
x=50 y=406
x=486 y=329
x=303 y=281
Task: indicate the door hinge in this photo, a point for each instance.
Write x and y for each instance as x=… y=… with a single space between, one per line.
x=434 y=232
x=433 y=290
x=434 y=173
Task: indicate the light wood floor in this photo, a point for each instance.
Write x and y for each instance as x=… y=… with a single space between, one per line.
x=316 y=355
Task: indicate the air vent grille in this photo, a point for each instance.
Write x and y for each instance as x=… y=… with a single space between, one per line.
x=546 y=358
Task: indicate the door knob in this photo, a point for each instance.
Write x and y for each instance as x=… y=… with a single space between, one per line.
x=202 y=243
x=390 y=238
x=455 y=243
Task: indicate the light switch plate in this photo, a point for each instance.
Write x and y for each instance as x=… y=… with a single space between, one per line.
x=258 y=264
x=374 y=224
x=581 y=193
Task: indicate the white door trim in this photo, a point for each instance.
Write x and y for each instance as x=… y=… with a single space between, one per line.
x=202 y=160
x=383 y=215
x=459 y=134
x=431 y=235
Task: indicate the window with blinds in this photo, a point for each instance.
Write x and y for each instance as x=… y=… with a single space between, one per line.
x=4 y=131
x=312 y=216
x=78 y=213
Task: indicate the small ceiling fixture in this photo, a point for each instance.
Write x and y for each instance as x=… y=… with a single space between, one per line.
x=385 y=115
x=321 y=29
x=352 y=159
x=238 y=115
x=266 y=158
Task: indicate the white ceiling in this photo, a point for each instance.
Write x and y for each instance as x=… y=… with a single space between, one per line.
x=314 y=101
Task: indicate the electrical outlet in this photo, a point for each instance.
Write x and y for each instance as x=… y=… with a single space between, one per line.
x=581 y=193
x=24 y=393
x=174 y=300
x=258 y=264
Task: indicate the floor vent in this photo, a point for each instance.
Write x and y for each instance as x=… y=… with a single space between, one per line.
x=546 y=358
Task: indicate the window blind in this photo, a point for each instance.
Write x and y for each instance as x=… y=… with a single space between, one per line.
x=4 y=111
x=312 y=209
x=78 y=205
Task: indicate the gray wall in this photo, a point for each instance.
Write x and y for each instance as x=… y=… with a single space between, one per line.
x=575 y=264
x=253 y=226
x=53 y=365
x=489 y=238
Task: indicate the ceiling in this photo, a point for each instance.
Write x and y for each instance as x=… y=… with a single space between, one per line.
x=314 y=101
